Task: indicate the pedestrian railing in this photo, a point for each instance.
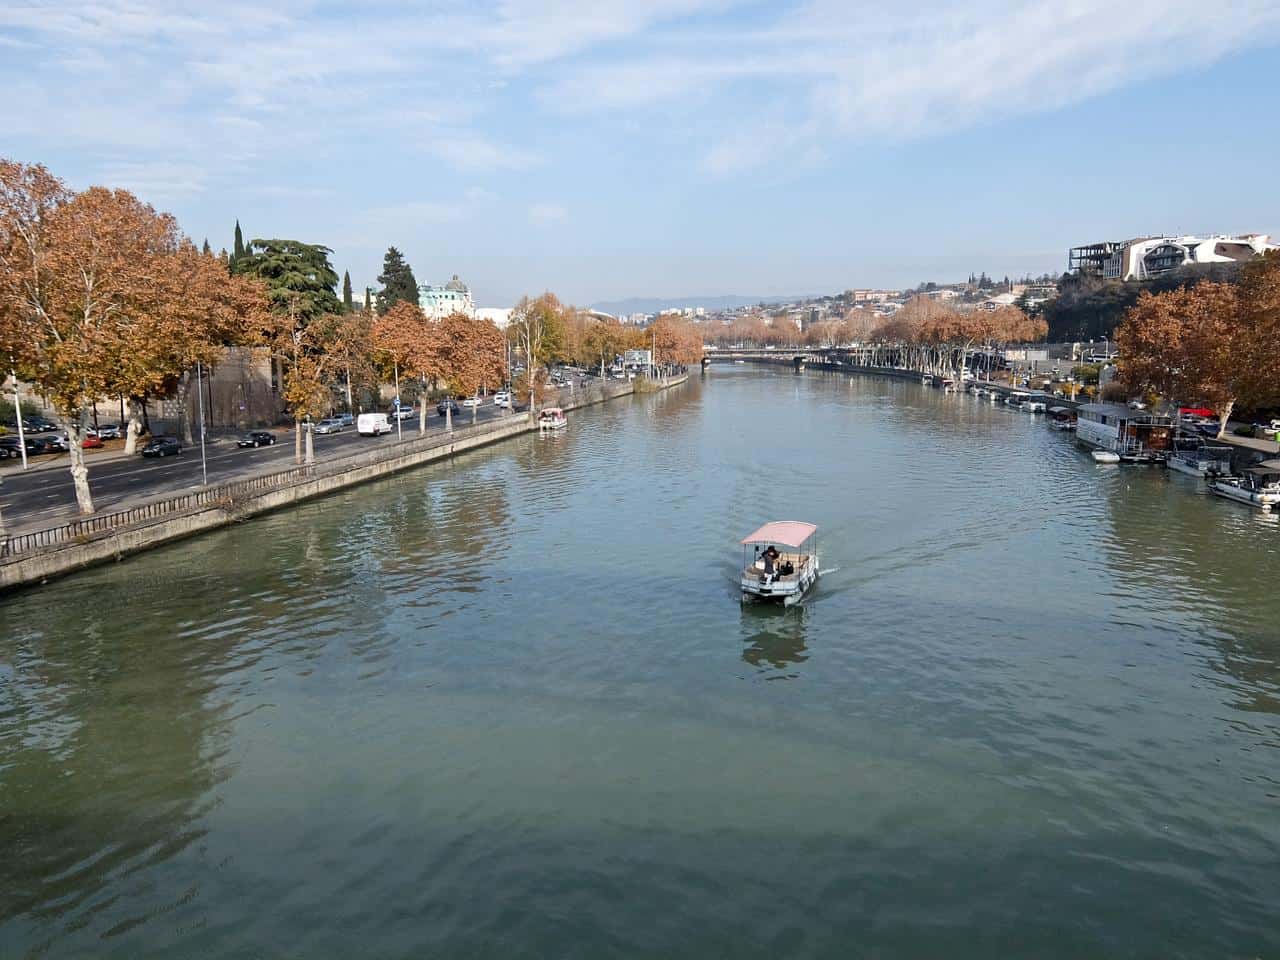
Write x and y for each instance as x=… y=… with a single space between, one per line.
x=86 y=528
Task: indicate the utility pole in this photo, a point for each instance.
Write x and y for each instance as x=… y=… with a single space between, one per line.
x=395 y=366
x=204 y=469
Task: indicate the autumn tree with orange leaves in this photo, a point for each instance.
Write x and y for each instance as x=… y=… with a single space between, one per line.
x=101 y=295
x=472 y=355
x=1212 y=344
x=410 y=340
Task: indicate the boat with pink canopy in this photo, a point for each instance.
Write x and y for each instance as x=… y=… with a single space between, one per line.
x=780 y=562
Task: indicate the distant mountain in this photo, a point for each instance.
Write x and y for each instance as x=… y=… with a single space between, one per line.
x=622 y=308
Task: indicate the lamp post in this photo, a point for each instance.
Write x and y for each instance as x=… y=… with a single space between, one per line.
x=204 y=469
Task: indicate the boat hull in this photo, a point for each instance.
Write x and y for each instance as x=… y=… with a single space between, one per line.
x=1252 y=498
x=783 y=591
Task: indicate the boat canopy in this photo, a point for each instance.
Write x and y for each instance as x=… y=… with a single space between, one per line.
x=1265 y=467
x=552 y=412
x=1060 y=410
x=789 y=533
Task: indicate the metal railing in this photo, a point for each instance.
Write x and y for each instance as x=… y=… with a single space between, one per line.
x=85 y=528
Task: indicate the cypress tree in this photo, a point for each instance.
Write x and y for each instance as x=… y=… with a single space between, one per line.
x=206 y=249
x=368 y=296
x=397 y=281
x=347 y=306
x=237 y=252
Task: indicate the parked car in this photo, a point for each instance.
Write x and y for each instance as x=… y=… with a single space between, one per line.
x=346 y=419
x=329 y=425
x=162 y=447
x=257 y=438
x=38 y=425
x=111 y=431
x=60 y=441
x=451 y=405
x=372 y=424
x=10 y=447
x=91 y=442
x=36 y=446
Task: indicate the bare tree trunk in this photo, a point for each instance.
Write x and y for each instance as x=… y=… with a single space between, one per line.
x=310 y=456
x=1223 y=416
x=422 y=415
x=475 y=411
x=448 y=414
x=135 y=426
x=79 y=473
x=297 y=441
x=184 y=408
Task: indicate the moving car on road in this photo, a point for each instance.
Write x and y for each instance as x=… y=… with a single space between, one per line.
x=372 y=424
x=502 y=399
x=257 y=438
x=401 y=413
x=471 y=402
x=346 y=419
x=451 y=405
x=329 y=425
x=161 y=447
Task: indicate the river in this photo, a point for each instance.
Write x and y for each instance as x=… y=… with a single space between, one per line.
x=510 y=706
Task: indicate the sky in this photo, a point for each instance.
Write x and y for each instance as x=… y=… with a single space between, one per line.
x=661 y=148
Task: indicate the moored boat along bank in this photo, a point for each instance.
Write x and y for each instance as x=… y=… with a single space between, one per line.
x=42 y=555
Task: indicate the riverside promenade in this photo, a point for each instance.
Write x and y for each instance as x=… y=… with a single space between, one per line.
x=34 y=556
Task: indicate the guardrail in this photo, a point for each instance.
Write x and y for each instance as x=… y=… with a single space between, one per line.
x=87 y=527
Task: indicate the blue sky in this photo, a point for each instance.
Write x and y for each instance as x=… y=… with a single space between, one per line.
x=661 y=148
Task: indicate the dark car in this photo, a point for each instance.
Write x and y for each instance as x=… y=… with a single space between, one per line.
x=35 y=446
x=38 y=425
x=452 y=406
x=161 y=447
x=257 y=438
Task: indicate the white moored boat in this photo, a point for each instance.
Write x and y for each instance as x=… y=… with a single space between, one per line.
x=1258 y=487
x=773 y=575
x=1134 y=436
x=1199 y=458
x=552 y=418
x=1062 y=418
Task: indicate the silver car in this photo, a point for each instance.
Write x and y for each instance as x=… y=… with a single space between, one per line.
x=329 y=425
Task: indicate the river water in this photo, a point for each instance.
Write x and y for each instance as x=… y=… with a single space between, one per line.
x=511 y=706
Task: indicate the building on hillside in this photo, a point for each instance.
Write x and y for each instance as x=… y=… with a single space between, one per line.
x=1145 y=258
x=998 y=301
x=440 y=302
x=501 y=316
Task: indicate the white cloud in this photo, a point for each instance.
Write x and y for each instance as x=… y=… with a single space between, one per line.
x=544 y=214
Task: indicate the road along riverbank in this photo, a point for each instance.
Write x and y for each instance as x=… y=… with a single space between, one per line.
x=42 y=555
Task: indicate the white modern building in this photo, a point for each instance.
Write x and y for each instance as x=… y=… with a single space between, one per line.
x=440 y=302
x=1146 y=257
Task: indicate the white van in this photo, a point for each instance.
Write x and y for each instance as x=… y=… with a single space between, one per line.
x=372 y=424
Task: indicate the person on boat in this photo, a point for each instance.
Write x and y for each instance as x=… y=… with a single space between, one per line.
x=788 y=568
x=769 y=557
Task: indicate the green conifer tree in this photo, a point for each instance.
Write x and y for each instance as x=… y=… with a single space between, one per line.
x=397 y=281
x=237 y=252
x=347 y=305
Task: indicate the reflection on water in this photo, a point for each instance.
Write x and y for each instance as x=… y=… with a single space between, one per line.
x=775 y=638
x=496 y=706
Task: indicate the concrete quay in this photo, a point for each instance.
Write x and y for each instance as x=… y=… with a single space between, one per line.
x=211 y=509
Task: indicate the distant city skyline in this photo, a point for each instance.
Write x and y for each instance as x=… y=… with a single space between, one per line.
x=658 y=148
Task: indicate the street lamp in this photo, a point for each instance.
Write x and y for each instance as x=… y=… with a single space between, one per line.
x=204 y=469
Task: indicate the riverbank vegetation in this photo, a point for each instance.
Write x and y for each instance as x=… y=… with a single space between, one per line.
x=101 y=296
x=1211 y=344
